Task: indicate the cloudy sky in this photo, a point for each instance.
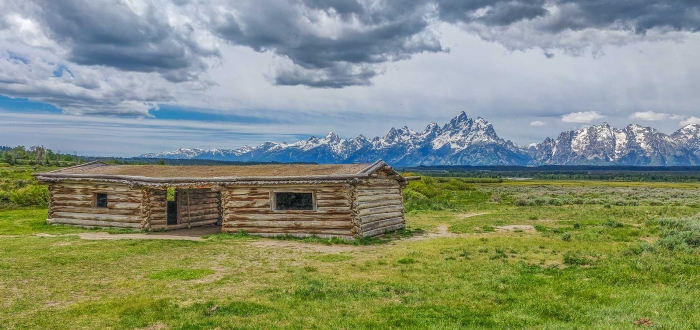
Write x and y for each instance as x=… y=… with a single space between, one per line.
x=124 y=77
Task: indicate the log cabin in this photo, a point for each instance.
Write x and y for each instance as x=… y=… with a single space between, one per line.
x=346 y=201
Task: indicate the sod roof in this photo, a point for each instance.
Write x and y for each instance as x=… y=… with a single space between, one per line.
x=164 y=173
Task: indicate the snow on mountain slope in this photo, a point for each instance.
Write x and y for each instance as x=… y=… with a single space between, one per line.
x=473 y=141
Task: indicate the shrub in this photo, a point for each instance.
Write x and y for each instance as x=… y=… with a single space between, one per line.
x=566 y=236
x=613 y=223
x=30 y=196
x=680 y=233
x=520 y=202
x=576 y=258
x=577 y=225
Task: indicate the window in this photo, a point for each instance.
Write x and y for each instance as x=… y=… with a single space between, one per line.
x=101 y=200
x=293 y=201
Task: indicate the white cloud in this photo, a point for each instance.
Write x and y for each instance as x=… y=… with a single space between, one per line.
x=691 y=120
x=650 y=116
x=538 y=123
x=583 y=117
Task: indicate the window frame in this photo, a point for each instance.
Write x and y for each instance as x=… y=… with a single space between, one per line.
x=273 y=201
x=96 y=200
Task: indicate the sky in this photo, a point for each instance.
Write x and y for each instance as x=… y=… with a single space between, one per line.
x=126 y=77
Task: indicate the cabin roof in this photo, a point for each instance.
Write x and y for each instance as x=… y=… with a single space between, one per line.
x=168 y=173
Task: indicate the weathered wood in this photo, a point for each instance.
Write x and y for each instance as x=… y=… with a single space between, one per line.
x=380 y=209
x=380 y=231
x=380 y=203
x=94 y=187
x=194 y=206
x=94 y=223
x=249 y=204
x=282 y=230
x=86 y=210
x=320 y=212
x=299 y=235
x=98 y=217
x=198 y=218
x=375 y=192
x=333 y=203
x=284 y=217
x=381 y=216
x=381 y=223
x=365 y=198
x=311 y=224
x=389 y=189
x=183 y=225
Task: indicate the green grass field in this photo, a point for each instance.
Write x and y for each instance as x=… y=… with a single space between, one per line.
x=618 y=259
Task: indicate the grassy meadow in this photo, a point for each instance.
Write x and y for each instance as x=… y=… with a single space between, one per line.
x=510 y=255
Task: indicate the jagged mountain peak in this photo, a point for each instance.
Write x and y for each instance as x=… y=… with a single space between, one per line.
x=473 y=141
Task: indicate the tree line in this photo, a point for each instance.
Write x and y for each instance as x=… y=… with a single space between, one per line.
x=36 y=155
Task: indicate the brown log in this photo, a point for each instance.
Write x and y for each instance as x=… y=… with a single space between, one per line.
x=300 y=235
x=381 y=223
x=313 y=224
x=282 y=231
x=333 y=203
x=378 y=210
x=249 y=204
x=372 y=198
x=285 y=217
x=266 y=210
x=380 y=231
x=184 y=225
x=381 y=216
x=94 y=223
x=98 y=217
x=91 y=210
x=379 y=203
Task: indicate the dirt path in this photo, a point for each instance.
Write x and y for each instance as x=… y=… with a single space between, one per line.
x=107 y=236
x=192 y=234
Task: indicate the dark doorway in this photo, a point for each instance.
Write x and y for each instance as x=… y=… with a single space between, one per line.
x=172 y=207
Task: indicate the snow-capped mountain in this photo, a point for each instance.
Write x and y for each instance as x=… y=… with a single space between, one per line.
x=632 y=145
x=473 y=141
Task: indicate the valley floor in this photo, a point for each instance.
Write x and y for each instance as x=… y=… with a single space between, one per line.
x=486 y=260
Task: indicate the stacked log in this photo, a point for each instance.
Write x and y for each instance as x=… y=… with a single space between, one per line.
x=74 y=203
x=379 y=206
x=249 y=209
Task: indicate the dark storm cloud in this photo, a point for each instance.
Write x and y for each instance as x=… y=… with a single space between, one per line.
x=495 y=12
x=110 y=33
x=330 y=43
x=348 y=55
x=635 y=15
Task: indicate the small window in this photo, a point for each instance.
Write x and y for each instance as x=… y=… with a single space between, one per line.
x=293 y=201
x=101 y=200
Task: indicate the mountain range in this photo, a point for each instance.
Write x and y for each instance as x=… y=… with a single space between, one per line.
x=473 y=141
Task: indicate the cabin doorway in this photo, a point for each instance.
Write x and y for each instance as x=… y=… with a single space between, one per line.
x=172 y=216
x=192 y=207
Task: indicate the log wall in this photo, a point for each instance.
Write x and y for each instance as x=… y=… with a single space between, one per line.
x=73 y=203
x=379 y=206
x=157 y=201
x=248 y=209
x=197 y=207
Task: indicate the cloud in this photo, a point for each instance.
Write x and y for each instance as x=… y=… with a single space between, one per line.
x=650 y=116
x=125 y=57
x=328 y=44
x=139 y=36
x=689 y=121
x=83 y=90
x=574 y=26
x=538 y=123
x=582 y=117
